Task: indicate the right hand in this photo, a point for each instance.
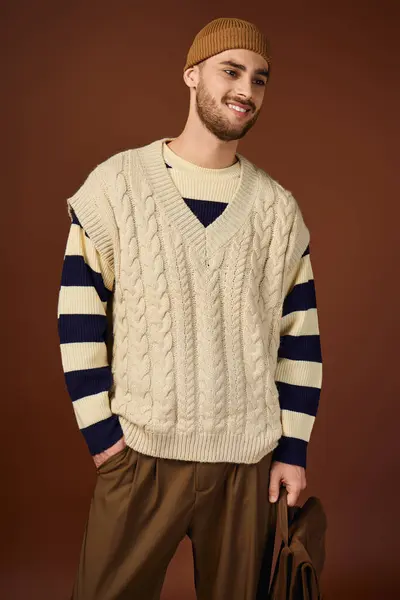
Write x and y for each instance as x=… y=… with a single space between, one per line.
x=100 y=458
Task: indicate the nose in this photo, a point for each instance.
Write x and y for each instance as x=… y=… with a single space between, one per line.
x=244 y=88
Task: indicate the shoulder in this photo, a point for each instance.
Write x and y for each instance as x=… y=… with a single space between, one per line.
x=272 y=194
x=290 y=211
x=124 y=163
x=108 y=170
x=271 y=190
x=269 y=186
x=282 y=195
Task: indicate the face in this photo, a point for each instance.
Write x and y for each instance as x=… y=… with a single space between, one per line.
x=230 y=91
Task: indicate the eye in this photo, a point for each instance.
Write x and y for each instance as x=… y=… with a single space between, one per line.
x=260 y=82
x=230 y=72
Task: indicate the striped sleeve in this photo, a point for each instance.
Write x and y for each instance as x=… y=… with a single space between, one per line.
x=82 y=329
x=299 y=369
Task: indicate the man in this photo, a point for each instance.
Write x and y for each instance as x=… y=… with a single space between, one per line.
x=202 y=403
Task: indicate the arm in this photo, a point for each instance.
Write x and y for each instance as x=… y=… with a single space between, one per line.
x=298 y=379
x=299 y=369
x=82 y=328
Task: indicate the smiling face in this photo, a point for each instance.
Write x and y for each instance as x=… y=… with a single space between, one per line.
x=229 y=91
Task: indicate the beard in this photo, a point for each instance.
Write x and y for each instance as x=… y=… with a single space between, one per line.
x=215 y=121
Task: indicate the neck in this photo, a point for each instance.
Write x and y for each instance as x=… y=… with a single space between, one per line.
x=199 y=146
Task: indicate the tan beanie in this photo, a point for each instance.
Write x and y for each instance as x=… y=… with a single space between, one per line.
x=227 y=34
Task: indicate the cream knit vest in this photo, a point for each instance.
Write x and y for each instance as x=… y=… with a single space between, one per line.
x=196 y=311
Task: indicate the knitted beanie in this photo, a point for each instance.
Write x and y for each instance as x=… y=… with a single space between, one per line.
x=227 y=34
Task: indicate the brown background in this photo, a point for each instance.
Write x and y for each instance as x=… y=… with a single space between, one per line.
x=83 y=80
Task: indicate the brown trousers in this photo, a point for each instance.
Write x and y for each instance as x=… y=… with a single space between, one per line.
x=142 y=507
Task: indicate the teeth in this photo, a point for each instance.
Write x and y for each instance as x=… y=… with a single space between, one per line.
x=243 y=110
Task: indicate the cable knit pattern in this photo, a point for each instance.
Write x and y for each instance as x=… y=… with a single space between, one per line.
x=262 y=225
x=204 y=360
x=215 y=326
x=164 y=410
x=187 y=407
x=132 y=338
x=238 y=268
x=271 y=285
x=197 y=309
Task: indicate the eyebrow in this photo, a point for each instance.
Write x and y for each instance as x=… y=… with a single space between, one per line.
x=231 y=63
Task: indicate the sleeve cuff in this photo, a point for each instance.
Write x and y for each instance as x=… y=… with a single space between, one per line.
x=292 y=451
x=103 y=434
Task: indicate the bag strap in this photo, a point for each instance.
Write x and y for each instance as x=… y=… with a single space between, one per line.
x=282 y=509
x=279 y=525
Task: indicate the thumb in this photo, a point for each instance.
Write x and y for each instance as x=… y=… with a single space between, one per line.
x=274 y=485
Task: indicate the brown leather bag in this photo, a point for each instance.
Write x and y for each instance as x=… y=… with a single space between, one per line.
x=302 y=553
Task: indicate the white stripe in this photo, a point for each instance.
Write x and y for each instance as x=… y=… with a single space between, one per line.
x=299 y=372
x=305 y=272
x=297 y=425
x=80 y=300
x=83 y=355
x=92 y=409
x=300 y=322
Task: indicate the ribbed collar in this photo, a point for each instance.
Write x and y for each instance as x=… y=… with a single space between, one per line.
x=205 y=240
x=177 y=162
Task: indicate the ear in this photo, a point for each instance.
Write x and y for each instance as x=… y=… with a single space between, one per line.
x=191 y=76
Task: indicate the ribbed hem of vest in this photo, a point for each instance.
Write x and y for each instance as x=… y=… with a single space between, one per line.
x=200 y=447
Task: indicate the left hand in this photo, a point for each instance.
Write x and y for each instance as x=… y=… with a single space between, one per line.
x=292 y=477
x=101 y=458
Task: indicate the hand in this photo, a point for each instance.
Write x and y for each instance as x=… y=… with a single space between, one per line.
x=292 y=477
x=100 y=458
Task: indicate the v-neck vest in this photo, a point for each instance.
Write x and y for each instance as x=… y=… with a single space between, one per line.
x=196 y=310
x=206 y=240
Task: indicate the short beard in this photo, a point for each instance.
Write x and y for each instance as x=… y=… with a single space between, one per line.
x=213 y=119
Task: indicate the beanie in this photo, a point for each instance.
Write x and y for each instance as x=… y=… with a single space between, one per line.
x=226 y=34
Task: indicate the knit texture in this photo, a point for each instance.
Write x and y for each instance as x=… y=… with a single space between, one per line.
x=196 y=310
x=227 y=34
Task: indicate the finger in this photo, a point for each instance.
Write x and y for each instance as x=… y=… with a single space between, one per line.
x=274 y=485
x=293 y=494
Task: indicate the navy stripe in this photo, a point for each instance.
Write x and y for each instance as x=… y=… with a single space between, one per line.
x=300 y=347
x=76 y=272
x=299 y=398
x=82 y=328
x=76 y=221
x=205 y=210
x=302 y=297
x=103 y=435
x=292 y=451
x=87 y=382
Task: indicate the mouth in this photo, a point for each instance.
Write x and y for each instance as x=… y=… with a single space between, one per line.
x=240 y=110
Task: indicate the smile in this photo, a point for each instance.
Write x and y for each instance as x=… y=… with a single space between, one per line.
x=238 y=109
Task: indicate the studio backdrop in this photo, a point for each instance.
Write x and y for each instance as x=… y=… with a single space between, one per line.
x=84 y=80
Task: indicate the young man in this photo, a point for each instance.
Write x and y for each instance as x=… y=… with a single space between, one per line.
x=198 y=401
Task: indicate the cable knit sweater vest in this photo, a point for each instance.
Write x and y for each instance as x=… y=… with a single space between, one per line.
x=196 y=310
